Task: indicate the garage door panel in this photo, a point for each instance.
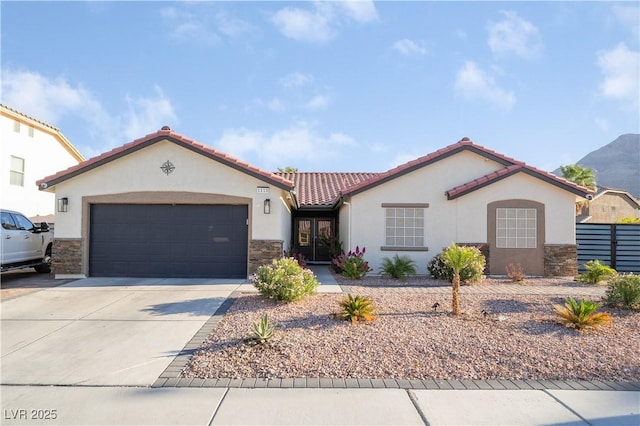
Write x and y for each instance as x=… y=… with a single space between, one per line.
x=168 y=241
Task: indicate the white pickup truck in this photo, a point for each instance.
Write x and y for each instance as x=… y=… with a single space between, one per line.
x=25 y=245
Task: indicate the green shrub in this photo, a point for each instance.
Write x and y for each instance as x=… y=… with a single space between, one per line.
x=356 y=309
x=582 y=314
x=284 y=279
x=623 y=291
x=596 y=272
x=262 y=330
x=398 y=267
x=352 y=265
x=439 y=269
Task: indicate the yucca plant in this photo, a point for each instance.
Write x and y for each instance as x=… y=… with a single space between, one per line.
x=582 y=314
x=262 y=330
x=357 y=308
x=398 y=267
x=596 y=272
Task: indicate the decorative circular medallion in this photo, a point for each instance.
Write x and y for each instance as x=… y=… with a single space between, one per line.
x=168 y=167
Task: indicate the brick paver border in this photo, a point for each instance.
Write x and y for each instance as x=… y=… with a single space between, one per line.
x=170 y=376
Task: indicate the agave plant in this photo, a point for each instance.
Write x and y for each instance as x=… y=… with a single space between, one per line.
x=357 y=308
x=582 y=314
x=262 y=330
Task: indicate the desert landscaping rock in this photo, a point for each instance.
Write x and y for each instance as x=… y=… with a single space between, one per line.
x=517 y=339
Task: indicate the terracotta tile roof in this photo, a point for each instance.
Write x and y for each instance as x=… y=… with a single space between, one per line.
x=166 y=134
x=511 y=166
x=492 y=177
x=463 y=144
x=323 y=189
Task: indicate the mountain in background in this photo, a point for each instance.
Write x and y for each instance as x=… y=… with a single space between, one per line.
x=617 y=164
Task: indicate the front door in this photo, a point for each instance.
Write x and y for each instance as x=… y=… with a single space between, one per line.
x=308 y=238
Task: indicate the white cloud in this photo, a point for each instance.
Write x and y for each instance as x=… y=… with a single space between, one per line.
x=54 y=99
x=298 y=143
x=303 y=25
x=318 y=102
x=276 y=105
x=473 y=83
x=231 y=26
x=360 y=10
x=147 y=114
x=621 y=69
x=188 y=27
x=514 y=35
x=409 y=47
x=296 y=79
x=320 y=23
x=628 y=16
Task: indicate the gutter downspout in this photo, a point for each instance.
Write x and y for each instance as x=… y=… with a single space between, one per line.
x=349 y=233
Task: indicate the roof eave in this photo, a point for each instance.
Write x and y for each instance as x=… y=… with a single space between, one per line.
x=152 y=139
x=462 y=147
x=579 y=191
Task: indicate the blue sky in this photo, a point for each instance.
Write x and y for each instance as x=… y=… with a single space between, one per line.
x=329 y=86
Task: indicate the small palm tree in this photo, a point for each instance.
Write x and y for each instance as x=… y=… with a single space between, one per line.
x=457 y=258
x=582 y=176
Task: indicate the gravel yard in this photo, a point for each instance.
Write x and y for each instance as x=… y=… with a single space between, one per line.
x=518 y=338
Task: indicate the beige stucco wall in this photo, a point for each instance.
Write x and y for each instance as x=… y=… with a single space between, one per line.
x=610 y=208
x=461 y=220
x=559 y=208
x=140 y=172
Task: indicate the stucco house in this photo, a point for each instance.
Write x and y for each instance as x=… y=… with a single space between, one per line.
x=165 y=205
x=608 y=206
x=31 y=149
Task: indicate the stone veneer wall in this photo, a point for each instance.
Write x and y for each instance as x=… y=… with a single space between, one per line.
x=484 y=249
x=66 y=256
x=262 y=252
x=560 y=260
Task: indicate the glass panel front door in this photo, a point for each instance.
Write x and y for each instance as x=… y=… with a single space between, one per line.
x=308 y=238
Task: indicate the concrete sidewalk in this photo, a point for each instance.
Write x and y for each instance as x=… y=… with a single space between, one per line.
x=75 y=405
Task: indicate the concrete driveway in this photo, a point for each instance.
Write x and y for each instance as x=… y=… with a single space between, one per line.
x=99 y=331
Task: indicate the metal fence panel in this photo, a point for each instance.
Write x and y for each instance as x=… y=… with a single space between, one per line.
x=616 y=245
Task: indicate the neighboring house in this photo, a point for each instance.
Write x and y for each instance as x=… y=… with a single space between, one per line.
x=165 y=205
x=608 y=206
x=31 y=149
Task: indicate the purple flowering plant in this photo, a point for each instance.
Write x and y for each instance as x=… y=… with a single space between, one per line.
x=352 y=265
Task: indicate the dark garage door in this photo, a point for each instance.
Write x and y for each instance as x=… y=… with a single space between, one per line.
x=189 y=241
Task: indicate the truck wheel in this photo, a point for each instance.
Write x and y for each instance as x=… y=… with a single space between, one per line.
x=45 y=267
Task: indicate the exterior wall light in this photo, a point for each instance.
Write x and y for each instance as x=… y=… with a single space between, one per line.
x=63 y=204
x=267 y=206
